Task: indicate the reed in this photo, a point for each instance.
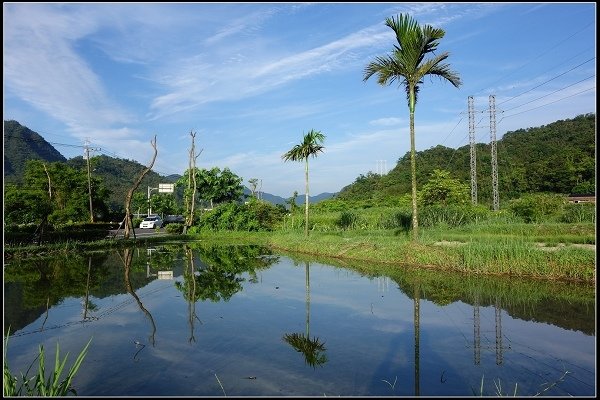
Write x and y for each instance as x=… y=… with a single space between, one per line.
x=39 y=384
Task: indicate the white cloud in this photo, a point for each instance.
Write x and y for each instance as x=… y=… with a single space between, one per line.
x=42 y=67
x=391 y=121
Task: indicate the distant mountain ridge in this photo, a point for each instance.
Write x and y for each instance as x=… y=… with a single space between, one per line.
x=555 y=158
x=274 y=199
x=22 y=144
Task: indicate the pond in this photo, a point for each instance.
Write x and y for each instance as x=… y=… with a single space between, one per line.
x=210 y=320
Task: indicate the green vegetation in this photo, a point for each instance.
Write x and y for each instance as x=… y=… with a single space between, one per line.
x=39 y=384
x=407 y=65
x=539 y=237
x=214 y=186
x=556 y=158
x=536 y=233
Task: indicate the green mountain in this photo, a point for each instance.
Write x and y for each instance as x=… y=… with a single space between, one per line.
x=556 y=158
x=22 y=144
x=119 y=175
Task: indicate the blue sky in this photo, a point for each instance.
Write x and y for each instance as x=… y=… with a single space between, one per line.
x=252 y=78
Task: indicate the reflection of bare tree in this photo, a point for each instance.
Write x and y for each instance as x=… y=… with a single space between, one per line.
x=313 y=349
x=87 y=304
x=192 y=298
x=189 y=289
x=127 y=257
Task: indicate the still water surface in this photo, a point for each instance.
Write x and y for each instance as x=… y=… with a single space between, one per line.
x=201 y=320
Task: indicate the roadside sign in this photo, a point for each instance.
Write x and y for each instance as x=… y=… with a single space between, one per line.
x=166 y=187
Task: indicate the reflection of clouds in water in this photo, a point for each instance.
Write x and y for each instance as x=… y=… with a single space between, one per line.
x=393 y=327
x=365 y=323
x=369 y=297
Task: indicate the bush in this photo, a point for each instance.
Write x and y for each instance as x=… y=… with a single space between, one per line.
x=577 y=213
x=452 y=215
x=174 y=228
x=136 y=221
x=538 y=207
x=401 y=219
x=347 y=220
x=256 y=215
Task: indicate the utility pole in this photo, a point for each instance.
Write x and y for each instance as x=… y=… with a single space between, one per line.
x=87 y=156
x=496 y=200
x=473 y=149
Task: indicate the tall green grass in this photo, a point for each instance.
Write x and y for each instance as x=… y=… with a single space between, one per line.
x=39 y=384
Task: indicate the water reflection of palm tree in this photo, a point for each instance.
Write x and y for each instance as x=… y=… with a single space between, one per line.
x=313 y=349
x=127 y=257
x=416 y=304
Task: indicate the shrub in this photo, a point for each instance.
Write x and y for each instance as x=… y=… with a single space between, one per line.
x=136 y=221
x=401 y=219
x=577 y=213
x=347 y=220
x=174 y=228
x=256 y=215
x=452 y=215
x=538 y=207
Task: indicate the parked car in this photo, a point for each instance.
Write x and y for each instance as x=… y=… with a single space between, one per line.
x=152 y=221
x=174 y=219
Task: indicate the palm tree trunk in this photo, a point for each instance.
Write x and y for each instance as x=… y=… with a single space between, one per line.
x=413 y=164
x=306 y=198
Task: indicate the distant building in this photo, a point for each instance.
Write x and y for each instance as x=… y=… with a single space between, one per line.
x=582 y=198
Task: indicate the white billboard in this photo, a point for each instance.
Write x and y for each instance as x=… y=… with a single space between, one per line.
x=166 y=187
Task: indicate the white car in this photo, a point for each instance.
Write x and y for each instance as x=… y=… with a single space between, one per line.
x=153 y=221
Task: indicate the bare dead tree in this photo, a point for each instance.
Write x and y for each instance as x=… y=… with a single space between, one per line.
x=128 y=224
x=191 y=203
x=49 y=182
x=39 y=231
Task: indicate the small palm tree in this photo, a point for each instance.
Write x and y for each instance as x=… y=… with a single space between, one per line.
x=406 y=65
x=310 y=146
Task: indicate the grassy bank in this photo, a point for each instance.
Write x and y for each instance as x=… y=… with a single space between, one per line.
x=510 y=256
x=495 y=249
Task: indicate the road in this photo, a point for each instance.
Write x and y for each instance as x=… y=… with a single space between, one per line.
x=139 y=232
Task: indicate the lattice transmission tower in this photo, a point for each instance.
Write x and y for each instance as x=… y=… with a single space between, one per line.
x=496 y=200
x=471 y=112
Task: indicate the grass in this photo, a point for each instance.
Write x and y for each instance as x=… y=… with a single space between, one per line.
x=500 y=393
x=504 y=255
x=39 y=384
x=489 y=247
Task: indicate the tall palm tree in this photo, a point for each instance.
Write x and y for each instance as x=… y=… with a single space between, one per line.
x=406 y=65
x=310 y=146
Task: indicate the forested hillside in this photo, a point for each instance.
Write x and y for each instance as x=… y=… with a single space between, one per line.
x=557 y=158
x=22 y=144
x=119 y=176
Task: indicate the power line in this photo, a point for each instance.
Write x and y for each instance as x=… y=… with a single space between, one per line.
x=543 y=105
x=546 y=95
x=536 y=57
x=549 y=80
